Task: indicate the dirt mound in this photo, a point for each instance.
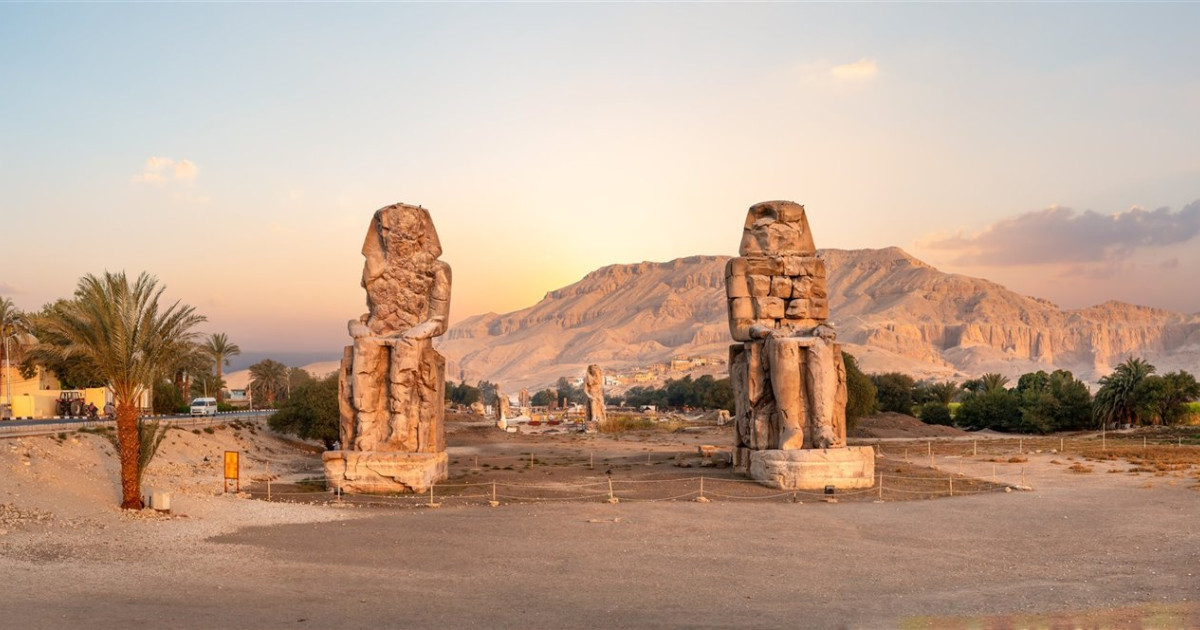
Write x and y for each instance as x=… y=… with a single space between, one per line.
x=897 y=425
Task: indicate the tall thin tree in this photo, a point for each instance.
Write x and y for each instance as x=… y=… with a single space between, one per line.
x=218 y=347
x=131 y=339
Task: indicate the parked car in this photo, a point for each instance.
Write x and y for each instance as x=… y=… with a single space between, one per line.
x=204 y=406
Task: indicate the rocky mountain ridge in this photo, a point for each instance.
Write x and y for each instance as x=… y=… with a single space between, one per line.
x=892 y=311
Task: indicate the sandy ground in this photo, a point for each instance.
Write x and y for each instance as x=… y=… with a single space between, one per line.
x=1097 y=549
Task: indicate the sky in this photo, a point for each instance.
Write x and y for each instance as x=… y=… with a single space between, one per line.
x=238 y=151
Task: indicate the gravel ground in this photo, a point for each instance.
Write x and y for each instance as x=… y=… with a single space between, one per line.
x=1093 y=550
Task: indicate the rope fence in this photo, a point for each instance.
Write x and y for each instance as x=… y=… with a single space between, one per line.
x=702 y=489
x=935 y=468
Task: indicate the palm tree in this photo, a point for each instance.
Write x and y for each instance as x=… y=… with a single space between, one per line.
x=190 y=362
x=266 y=377
x=1117 y=400
x=993 y=382
x=944 y=393
x=14 y=336
x=217 y=347
x=122 y=330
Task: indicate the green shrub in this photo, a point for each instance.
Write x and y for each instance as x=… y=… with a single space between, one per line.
x=311 y=412
x=936 y=413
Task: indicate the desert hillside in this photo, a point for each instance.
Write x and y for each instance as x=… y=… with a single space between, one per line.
x=892 y=311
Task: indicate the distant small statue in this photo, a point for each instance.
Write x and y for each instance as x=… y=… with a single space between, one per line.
x=593 y=387
x=503 y=408
x=523 y=401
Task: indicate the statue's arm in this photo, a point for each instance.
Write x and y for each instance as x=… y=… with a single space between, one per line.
x=439 y=306
x=758 y=331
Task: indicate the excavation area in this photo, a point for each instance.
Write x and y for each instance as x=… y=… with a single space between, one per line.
x=1061 y=531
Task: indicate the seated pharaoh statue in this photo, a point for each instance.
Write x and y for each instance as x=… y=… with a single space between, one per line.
x=392 y=381
x=787 y=373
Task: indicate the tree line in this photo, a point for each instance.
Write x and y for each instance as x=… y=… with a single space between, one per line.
x=1041 y=402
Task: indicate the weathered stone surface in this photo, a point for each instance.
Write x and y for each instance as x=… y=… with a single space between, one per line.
x=384 y=472
x=812 y=469
x=523 y=401
x=741 y=308
x=798 y=309
x=736 y=287
x=768 y=308
x=503 y=407
x=593 y=386
x=392 y=381
x=776 y=228
x=788 y=378
x=781 y=287
x=759 y=285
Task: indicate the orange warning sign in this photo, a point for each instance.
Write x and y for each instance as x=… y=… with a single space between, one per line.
x=231 y=465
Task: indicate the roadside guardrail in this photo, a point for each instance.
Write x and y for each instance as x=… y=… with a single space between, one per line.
x=29 y=428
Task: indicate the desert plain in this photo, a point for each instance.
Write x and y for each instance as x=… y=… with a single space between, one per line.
x=1033 y=537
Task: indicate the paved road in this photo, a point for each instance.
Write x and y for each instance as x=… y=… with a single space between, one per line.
x=24 y=428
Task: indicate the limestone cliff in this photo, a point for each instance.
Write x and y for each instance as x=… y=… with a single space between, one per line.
x=892 y=311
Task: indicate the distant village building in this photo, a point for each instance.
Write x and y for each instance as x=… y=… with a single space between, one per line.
x=37 y=396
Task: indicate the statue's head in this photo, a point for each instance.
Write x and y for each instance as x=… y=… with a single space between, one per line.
x=777 y=228
x=399 y=231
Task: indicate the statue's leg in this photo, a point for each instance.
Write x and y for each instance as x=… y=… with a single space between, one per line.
x=783 y=360
x=404 y=361
x=822 y=382
x=367 y=391
x=345 y=402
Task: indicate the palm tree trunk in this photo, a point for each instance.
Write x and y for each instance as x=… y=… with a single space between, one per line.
x=218 y=382
x=127 y=438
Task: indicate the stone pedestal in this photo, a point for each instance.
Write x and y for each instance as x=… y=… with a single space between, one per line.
x=384 y=472
x=846 y=468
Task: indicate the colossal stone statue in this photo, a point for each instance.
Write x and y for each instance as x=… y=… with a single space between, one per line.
x=787 y=373
x=392 y=382
x=593 y=387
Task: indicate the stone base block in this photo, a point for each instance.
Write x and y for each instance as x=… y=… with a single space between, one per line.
x=384 y=472
x=813 y=469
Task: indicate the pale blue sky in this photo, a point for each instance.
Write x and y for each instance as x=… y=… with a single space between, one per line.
x=549 y=140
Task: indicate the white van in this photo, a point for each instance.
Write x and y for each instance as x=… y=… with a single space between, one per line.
x=204 y=407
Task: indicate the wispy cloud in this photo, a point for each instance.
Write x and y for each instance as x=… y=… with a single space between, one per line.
x=861 y=70
x=160 y=170
x=1060 y=235
x=8 y=289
